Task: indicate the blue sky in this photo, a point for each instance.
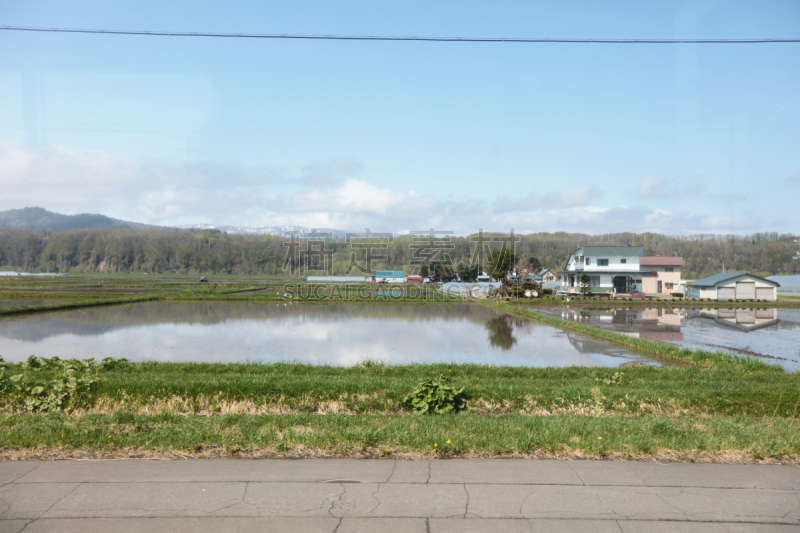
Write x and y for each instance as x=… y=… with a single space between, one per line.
x=398 y=136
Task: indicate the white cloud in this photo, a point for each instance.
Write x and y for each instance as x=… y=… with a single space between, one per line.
x=651 y=186
x=158 y=192
x=574 y=197
x=93 y=181
x=659 y=187
x=358 y=197
x=331 y=172
x=358 y=204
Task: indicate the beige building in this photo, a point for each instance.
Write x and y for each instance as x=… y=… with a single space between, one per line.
x=548 y=275
x=734 y=286
x=667 y=271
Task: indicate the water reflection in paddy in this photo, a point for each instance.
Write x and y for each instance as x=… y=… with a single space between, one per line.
x=323 y=334
x=770 y=334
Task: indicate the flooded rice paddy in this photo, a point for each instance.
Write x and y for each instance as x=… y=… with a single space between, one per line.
x=340 y=335
x=790 y=285
x=772 y=335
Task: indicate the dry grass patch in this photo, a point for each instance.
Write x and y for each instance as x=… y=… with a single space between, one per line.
x=221 y=405
x=215 y=451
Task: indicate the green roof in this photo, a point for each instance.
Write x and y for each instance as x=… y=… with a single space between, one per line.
x=389 y=274
x=712 y=281
x=602 y=251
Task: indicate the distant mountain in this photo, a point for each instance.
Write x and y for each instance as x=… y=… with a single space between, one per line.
x=280 y=231
x=39 y=218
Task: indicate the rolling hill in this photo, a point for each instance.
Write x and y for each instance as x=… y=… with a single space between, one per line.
x=39 y=218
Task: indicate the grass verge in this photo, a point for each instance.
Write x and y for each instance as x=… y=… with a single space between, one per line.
x=654 y=303
x=126 y=435
x=74 y=304
x=216 y=389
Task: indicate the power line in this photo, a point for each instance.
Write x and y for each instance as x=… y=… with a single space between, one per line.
x=541 y=40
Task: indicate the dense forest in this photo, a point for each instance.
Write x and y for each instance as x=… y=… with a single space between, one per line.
x=213 y=252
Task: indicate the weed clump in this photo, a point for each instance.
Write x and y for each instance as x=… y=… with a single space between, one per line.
x=50 y=385
x=436 y=396
x=611 y=378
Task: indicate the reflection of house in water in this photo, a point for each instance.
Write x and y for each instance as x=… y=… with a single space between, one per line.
x=741 y=319
x=661 y=325
x=665 y=324
x=650 y=324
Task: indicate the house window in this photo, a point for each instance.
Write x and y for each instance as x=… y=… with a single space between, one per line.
x=588 y=260
x=623 y=261
x=602 y=262
x=669 y=269
x=595 y=281
x=670 y=285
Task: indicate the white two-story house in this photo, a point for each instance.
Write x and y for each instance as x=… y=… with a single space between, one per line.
x=613 y=269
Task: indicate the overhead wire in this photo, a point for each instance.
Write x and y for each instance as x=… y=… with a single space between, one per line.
x=536 y=40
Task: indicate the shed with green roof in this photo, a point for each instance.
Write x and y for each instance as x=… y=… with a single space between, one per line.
x=734 y=286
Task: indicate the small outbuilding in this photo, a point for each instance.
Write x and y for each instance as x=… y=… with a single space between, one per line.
x=734 y=286
x=389 y=276
x=548 y=275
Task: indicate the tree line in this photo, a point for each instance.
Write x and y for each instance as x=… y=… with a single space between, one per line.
x=213 y=252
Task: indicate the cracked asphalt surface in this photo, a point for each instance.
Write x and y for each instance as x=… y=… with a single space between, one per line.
x=354 y=495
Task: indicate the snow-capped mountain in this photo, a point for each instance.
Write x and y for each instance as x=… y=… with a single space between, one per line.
x=280 y=231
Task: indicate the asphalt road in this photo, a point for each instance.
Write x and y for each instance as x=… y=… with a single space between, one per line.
x=346 y=496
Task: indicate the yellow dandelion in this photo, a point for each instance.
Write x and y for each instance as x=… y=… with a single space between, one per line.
x=109 y=436
x=448 y=441
x=599 y=438
x=435 y=445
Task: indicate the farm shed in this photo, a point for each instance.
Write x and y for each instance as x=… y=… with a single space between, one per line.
x=733 y=286
x=389 y=276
